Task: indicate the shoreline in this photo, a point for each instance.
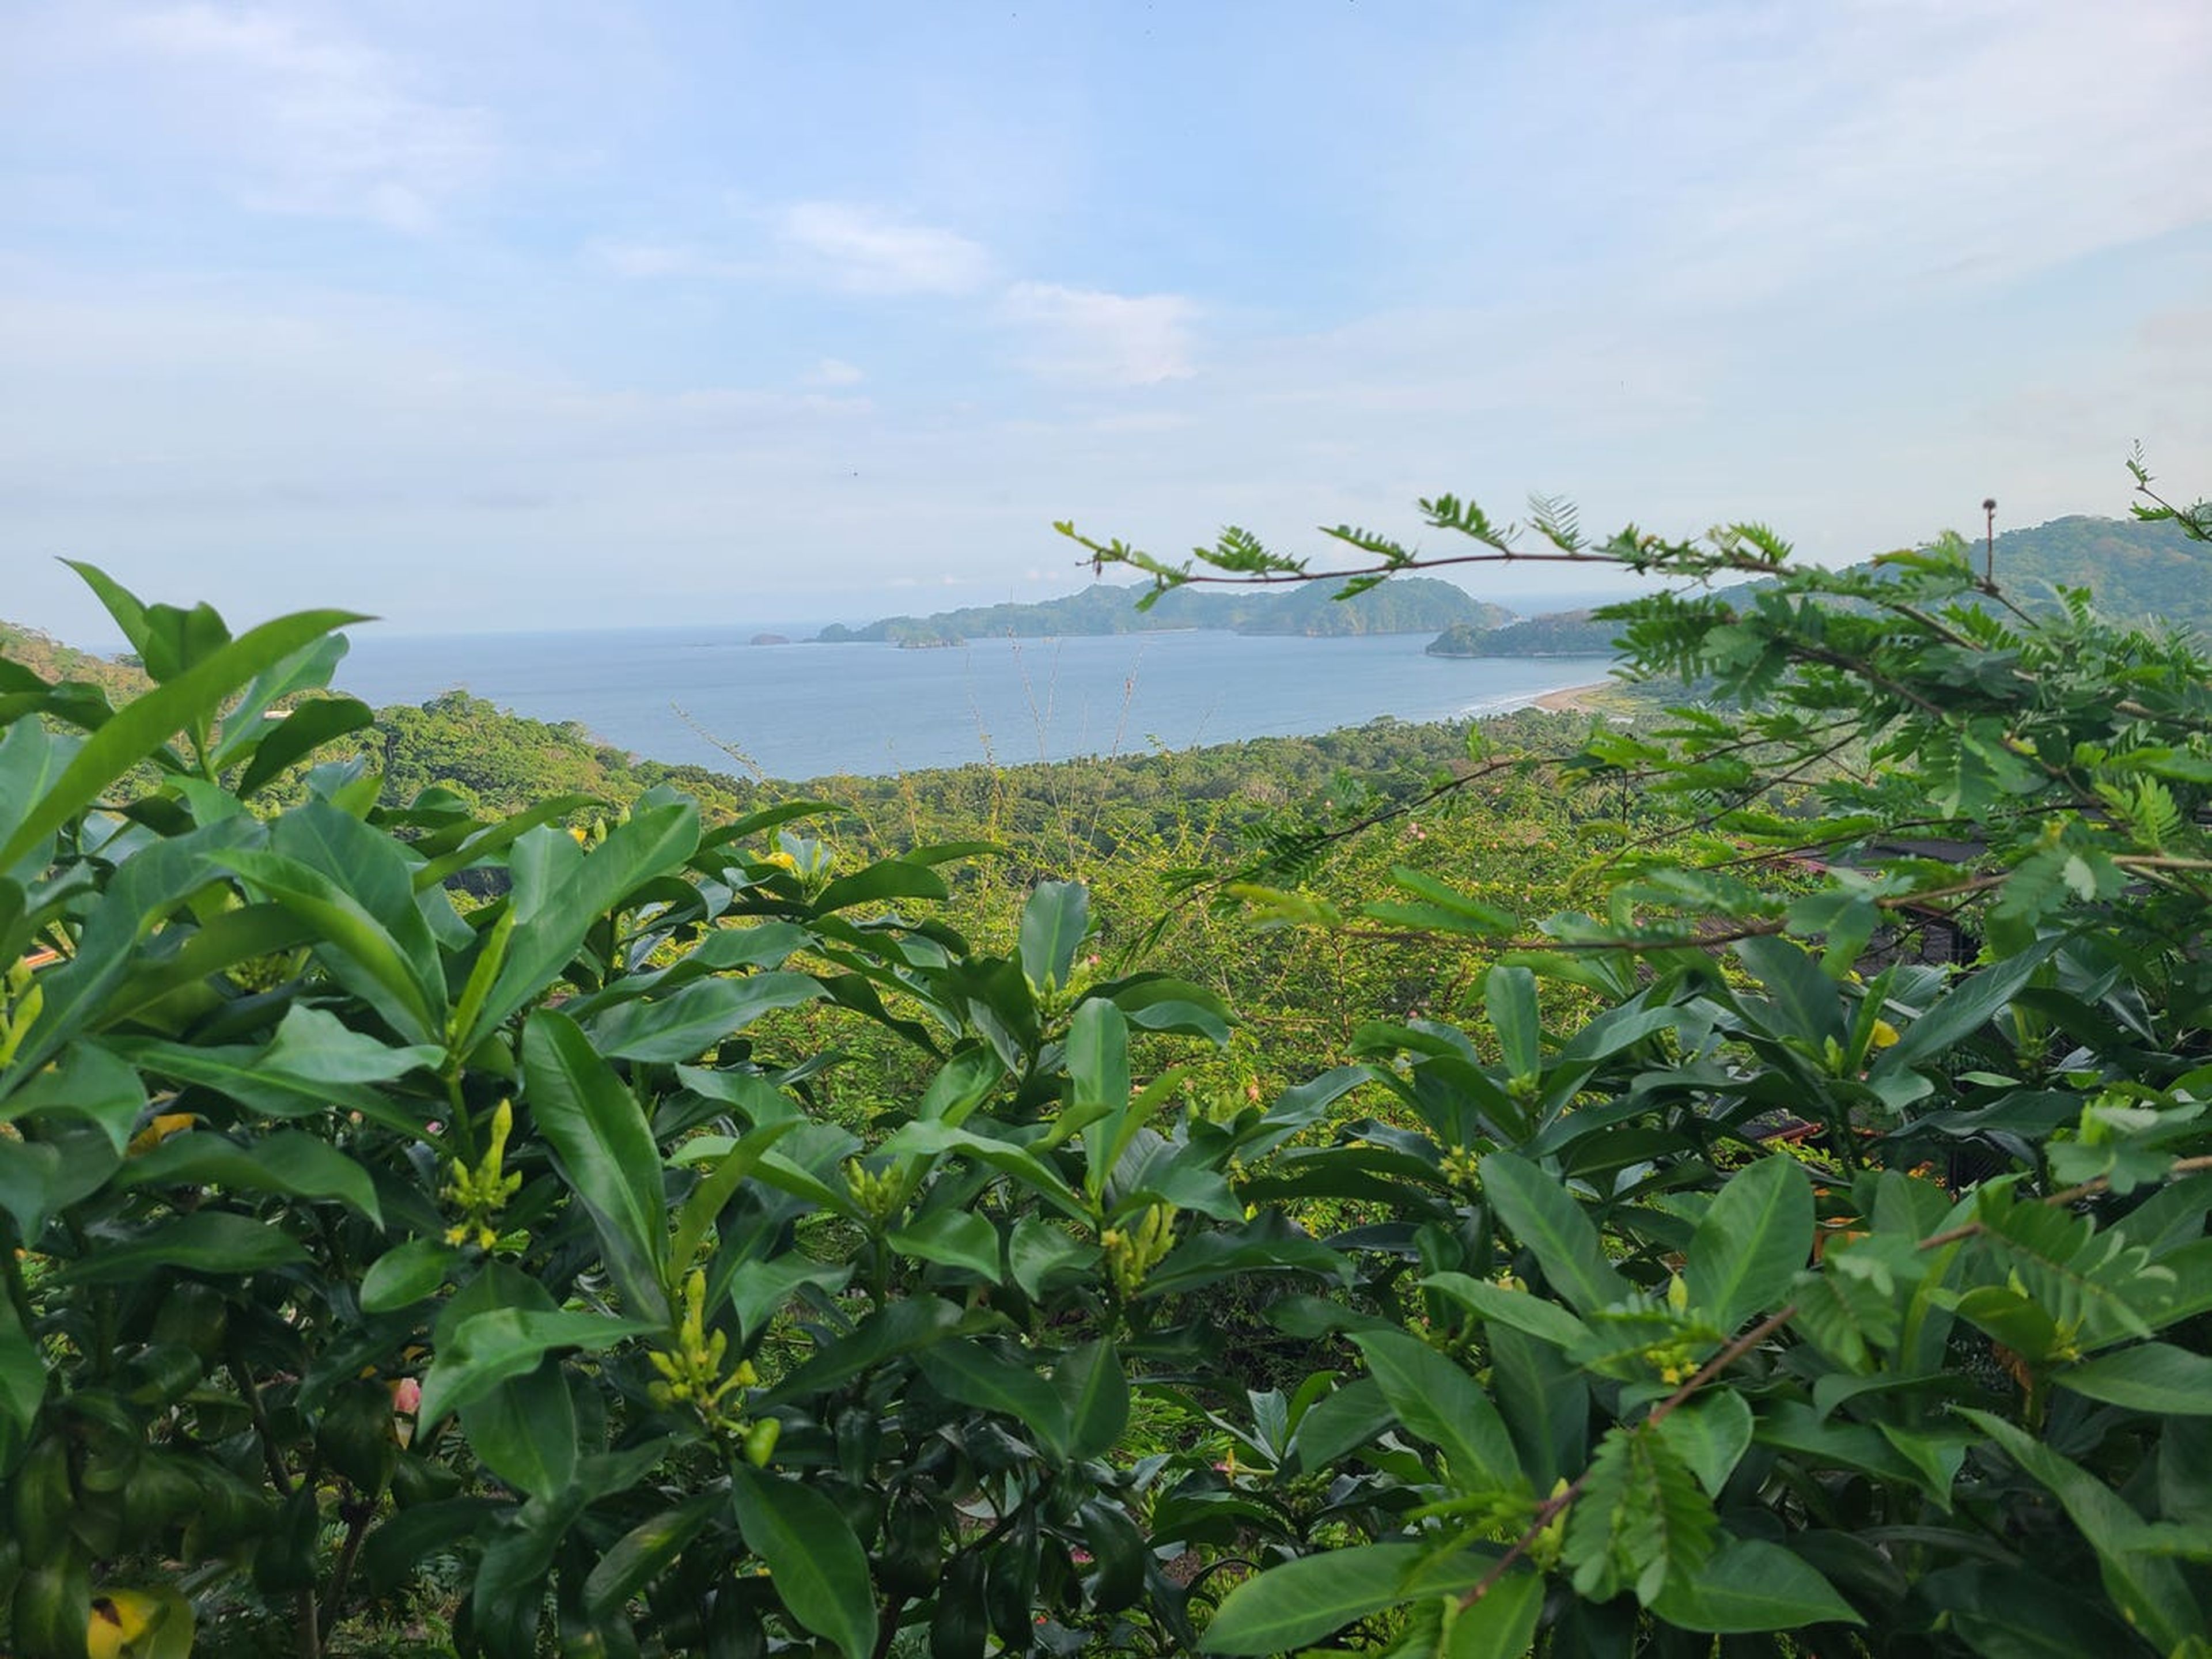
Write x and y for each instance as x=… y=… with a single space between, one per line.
x=1571 y=699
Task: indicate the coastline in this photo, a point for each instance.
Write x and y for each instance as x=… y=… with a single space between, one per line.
x=1571 y=699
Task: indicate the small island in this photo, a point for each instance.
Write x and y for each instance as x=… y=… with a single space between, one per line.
x=1557 y=634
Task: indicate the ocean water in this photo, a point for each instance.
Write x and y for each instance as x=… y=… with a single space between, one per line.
x=708 y=695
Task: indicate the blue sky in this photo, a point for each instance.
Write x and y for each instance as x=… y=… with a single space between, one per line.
x=528 y=315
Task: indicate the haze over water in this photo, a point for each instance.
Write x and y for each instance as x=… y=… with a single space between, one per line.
x=806 y=710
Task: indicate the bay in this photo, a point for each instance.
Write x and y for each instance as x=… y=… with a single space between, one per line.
x=708 y=697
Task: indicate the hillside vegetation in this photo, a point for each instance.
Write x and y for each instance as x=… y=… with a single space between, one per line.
x=1530 y=1197
x=1418 y=605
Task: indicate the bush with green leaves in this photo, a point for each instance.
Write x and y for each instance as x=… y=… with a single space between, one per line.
x=357 y=1234
x=347 y=1230
x=1933 y=1381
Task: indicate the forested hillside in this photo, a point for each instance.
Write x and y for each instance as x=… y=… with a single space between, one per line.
x=1555 y=633
x=1419 y=605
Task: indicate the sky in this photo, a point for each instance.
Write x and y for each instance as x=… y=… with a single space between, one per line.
x=506 y=315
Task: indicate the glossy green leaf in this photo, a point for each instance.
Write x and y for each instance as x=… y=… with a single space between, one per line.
x=1055 y=923
x=1305 y=1601
x=1543 y=1215
x=206 y=1241
x=716 y=1188
x=596 y=1130
x=560 y=892
x=2152 y=1377
x=1546 y=1321
x=307 y=728
x=1710 y=1433
x=1094 y=1391
x=285 y=1161
x=486 y=1349
x=976 y=1375
x=1806 y=1003
x=892 y=878
x=639 y=1556
x=357 y=948
x=1509 y=997
x=1440 y=1403
x=1749 y=1585
x=1753 y=1239
x=90 y=1082
x=682 y=1027
x=404 y=1275
x=814 y=1561
x=952 y=1239
x=1501 y=1625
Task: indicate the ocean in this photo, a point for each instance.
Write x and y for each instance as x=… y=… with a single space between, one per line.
x=709 y=697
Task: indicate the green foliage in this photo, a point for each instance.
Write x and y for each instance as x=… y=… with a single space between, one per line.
x=1414 y=605
x=744 y=1230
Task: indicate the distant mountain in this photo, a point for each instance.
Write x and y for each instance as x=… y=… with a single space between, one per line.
x=2135 y=571
x=1412 y=604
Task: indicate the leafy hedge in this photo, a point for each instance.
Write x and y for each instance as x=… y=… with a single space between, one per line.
x=359 y=1237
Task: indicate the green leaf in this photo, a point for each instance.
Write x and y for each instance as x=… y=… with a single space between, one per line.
x=705 y=1200
x=560 y=894
x=285 y=1161
x=1501 y=1625
x=952 y=1239
x=1748 y=1585
x=308 y=727
x=2153 y=1377
x=1302 y=1602
x=1710 y=1434
x=145 y=724
x=972 y=1373
x=1754 y=1239
x=606 y=1151
x=636 y=1559
x=404 y=986
x=1960 y=1012
x=1157 y=1002
x=206 y=1241
x=892 y=878
x=1098 y=1059
x=486 y=1349
x=1055 y=923
x=90 y=1081
x=523 y=1428
x=1440 y=1403
x=1546 y=1320
x=1540 y=1214
x=814 y=1561
x=1095 y=1392
x=1641 y=1522
x=406 y=1275
x=682 y=1027
x=1036 y=1249
x=899 y=1328
x=22 y=1383
x=1510 y=999
x=1806 y=1000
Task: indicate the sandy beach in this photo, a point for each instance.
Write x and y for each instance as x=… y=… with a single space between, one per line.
x=1571 y=700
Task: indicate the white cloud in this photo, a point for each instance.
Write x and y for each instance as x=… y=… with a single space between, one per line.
x=303 y=120
x=835 y=371
x=1100 y=339
x=867 y=251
